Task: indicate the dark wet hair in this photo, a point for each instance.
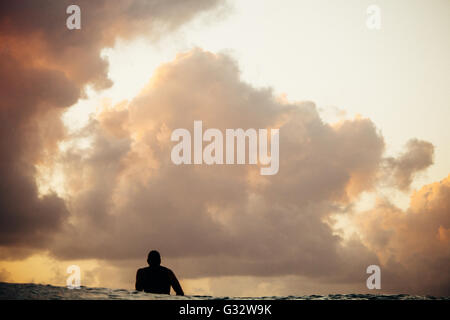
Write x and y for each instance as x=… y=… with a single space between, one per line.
x=154 y=258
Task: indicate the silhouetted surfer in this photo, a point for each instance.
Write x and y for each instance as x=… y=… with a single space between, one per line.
x=156 y=278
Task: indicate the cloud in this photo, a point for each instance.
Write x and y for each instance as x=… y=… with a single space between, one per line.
x=36 y=31
x=44 y=68
x=417 y=157
x=29 y=94
x=413 y=245
x=126 y=195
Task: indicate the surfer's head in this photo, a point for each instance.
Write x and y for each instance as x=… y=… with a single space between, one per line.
x=154 y=258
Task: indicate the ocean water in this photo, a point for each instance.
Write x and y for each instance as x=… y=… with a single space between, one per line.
x=31 y=291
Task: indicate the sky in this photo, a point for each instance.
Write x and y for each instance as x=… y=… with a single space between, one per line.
x=364 y=175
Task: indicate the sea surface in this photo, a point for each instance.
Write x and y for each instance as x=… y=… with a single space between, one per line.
x=31 y=291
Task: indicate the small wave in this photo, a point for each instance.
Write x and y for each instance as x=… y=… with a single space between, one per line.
x=31 y=291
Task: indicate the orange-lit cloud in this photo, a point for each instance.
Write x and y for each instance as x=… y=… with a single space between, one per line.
x=414 y=244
